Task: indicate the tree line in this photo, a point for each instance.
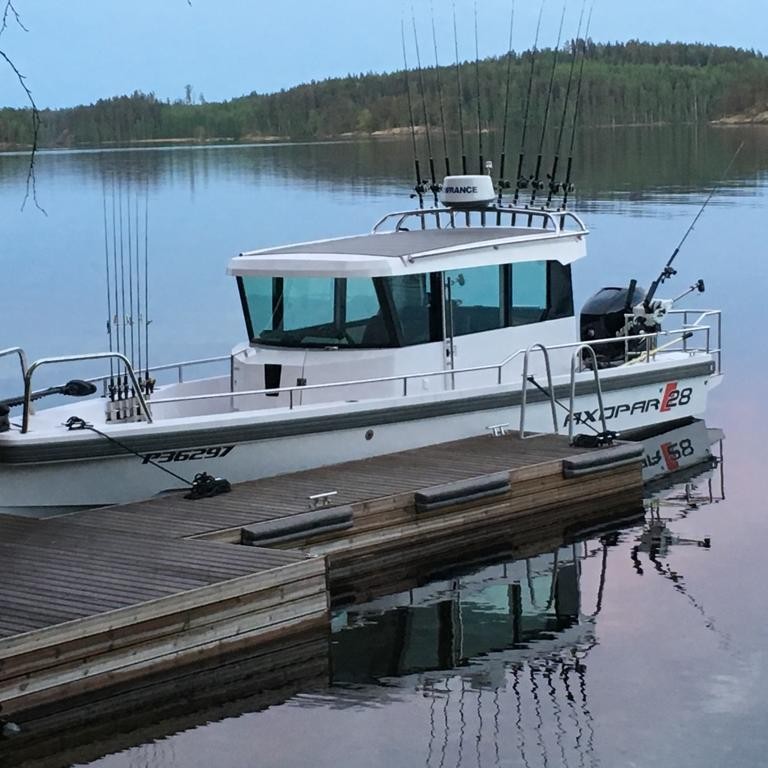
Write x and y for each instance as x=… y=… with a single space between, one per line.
x=623 y=83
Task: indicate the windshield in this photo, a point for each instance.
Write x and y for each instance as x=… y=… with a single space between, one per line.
x=315 y=312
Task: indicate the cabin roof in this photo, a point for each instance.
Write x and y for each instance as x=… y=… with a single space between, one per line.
x=407 y=252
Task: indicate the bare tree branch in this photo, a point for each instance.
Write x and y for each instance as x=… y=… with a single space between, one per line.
x=10 y=10
x=31 y=188
x=31 y=180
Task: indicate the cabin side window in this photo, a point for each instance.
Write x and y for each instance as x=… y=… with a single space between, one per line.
x=560 y=290
x=538 y=291
x=415 y=307
x=476 y=300
x=527 y=292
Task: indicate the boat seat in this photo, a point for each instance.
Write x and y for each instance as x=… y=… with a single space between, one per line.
x=475 y=320
x=414 y=322
x=375 y=333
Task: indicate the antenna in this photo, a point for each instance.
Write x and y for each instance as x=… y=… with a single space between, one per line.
x=481 y=168
x=553 y=185
x=521 y=182
x=419 y=187
x=536 y=185
x=440 y=91
x=567 y=184
x=460 y=93
x=434 y=188
x=503 y=184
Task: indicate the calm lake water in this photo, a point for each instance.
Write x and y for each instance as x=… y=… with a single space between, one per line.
x=641 y=655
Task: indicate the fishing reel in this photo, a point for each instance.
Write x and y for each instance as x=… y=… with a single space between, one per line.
x=646 y=318
x=421 y=189
x=530 y=182
x=561 y=187
x=657 y=308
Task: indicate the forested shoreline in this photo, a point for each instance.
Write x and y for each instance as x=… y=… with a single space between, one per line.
x=629 y=83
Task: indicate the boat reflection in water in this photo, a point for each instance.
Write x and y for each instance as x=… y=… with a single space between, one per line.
x=502 y=651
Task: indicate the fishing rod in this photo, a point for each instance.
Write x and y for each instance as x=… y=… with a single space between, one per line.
x=149 y=382
x=130 y=279
x=434 y=187
x=138 y=291
x=536 y=185
x=114 y=385
x=460 y=94
x=567 y=188
x=109 y=282
x=419 y=187
x=553 y=185
x=440 y=92
x=668 y=270
x=481 y=168
x=503 y=184
x=522 y=183
x=122 y=390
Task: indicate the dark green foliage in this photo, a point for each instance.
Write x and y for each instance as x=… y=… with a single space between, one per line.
x=624 y=83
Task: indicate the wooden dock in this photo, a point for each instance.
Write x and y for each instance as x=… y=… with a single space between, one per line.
x=95 y=600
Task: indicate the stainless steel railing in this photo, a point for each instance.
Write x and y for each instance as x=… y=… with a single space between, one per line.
x=680 y=337
x=556 y=218
x=178 y=367
x=598 y=386
x=291 y=391
x=704 y=314
x=21 y=354
x=74 y=359
x=550 y=388
x=403 y=379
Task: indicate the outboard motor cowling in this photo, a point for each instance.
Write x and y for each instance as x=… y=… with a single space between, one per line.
x=5 y=421
x=603 y=317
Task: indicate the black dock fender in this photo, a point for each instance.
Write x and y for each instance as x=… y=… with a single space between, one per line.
x=602 y=460
x=461 y=492
x=300 y=526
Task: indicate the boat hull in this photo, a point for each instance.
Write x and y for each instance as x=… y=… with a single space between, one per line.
x=88 y=471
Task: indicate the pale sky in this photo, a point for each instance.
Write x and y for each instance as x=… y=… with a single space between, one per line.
x=81 y=50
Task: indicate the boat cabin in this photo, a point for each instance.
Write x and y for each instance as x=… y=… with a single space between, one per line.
x=404 y=301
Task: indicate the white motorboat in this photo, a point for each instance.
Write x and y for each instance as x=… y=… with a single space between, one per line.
x=439 y=324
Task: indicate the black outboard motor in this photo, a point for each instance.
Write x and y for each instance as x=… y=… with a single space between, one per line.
x=5 y=421
x=603 y=317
